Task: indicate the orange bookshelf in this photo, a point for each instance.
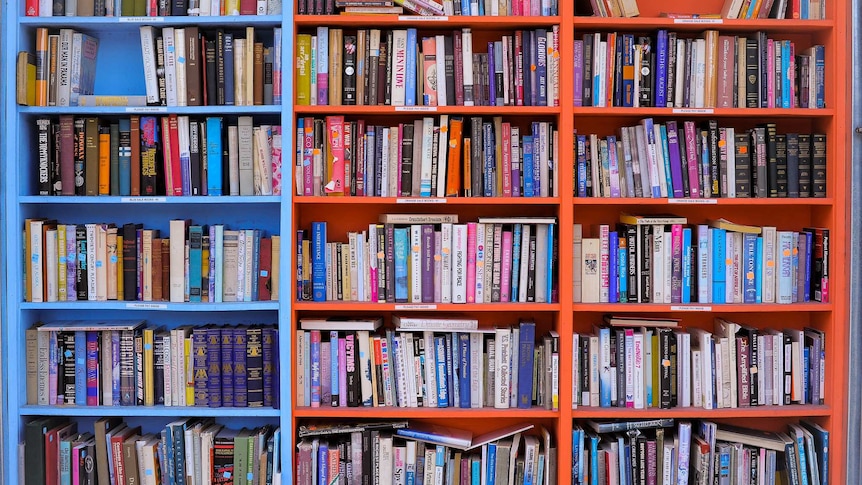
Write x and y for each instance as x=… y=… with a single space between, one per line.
x=350 y=213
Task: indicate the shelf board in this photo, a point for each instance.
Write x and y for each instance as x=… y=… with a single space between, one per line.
x=146 y=411
x=644 y=201
x=446 y=307
x=758 y=113
x=101 y=200
x=731 y=25
x=796 y=410
x=702 y=307
x=150 y=110
x=152 y=306
x=484 y=22
x=416 y=413
x=509 y=111
x=309 y=200
x=135 y=22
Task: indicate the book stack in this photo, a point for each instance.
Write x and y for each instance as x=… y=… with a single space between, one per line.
x=449 y=156
x=644 y=363
x=126 y=363
x=652 y=451
x=426 y=362
x=187 y=67
x=608 y=8
x=143 y=8
x=658 y=259
x=190 y=450
x=99 y=262
x=149 y=156
x=711 y=71
x=431 y=258
x=683 y=160
x=401 y=68
x=532 y=8
x=420 y=452
x=65 y=68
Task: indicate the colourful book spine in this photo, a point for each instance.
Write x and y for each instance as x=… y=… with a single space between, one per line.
x=318 y=260
x=270 y=366
x=677 y=263
x=718 y=265
x=749 y=263
x=402 y=252
x=80 y=363
x=195 y=262
x=71 y=264
x=226 y=350
x=506 y=270
x=307 y=156
x=315 y=368
x=427 y=252
x=442 y=371
x=335 y=130
x=334 y=359
x=613 y=267
x=240 y=384
x=661 y=69
x=526 y=346
x=687 y=254
x=92 y=342
x=528 y=166
x=214 y=156
x=622 y=269
x=516 y=262
x=471 y=262
x=322 y=61
x=410 y=81
x=464 y=370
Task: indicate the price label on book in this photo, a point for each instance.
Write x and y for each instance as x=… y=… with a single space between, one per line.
x=146 y=109
x=690 y=308
x=692 y=201
x=423 y=18
x=147 y=306
x=698 y=21
x=138 y=20
x=415 y=307
x=428 y=200
x=134 y=200
x=424 y=109
x=693 y=111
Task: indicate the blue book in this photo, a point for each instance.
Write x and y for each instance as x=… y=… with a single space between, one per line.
x=604 y=367
x=240 y=378
x=758 y=271
x=489 y=152
x=516 y=262
x=214 y=155
x=526 y=350
x=451 y=370
x=613 y=267
x=318 y=260
x=686 y=265
x=665 y=159
x=229 y=69
x=464 y=370
x=92 y=345
x=785 y=69
x=442 y=370
x=628 y=83
x=718 y=264
x=475 y=472
x=541 y=66
x=821 y=446
x=200 y=366
x=819 y=75
x=214 y=365
x=491 y=464
x=806 y=374
x=333 y=364
x=410 y=78
x=314 y=335
x=582 y=165
x=799 y=436
x=179 y=438
x=402 y=248
x=125 y=157
x=528 y=166
x=167 y=454
x=549 y=271
x=622 y=272
x=80 y=368
x=492 y=81
x=749 y=261
x=195 y=262
x=323 y=463
x=660 y=90
x=594 y=459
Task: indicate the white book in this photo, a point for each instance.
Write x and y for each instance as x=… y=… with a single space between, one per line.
x=180 y=56
x=50 y=252
x=430 y=370
x=577 y=262
x=639 y=364
x=386 y=462
x=409 y=459
x=46 y=8
x=371 y=263
x=577 y=396
x=446 y=263
x=764 y=369
x=594 y=370
x=777 y=368
x=245 y=134
x=233 y=160
x=599 y=49
x=476 y=370
x=703 y=341
x=667 y=259
x=467 y=63
x=177 y=248
x=683 y=452
x=738 y=268
x=169 y=40
x=428 y=475
x=148 y=51
x=542 y=257
x=679 y=90
x=101 y=235
x=696 y=382
x=684 y=368
x=427 y=156
x=590 y=271
x=249 y=259
x=263 y=152
x=657 y=264
x=502 y=367
x=459 y=263
x=364 y=367
x=398 y=80
x=481 y=250
x=440 y=59
x=525 y=257
x=629 y=367
x=37 y=262
x=240 y=265
x=442 y=154
x=643 y=159
x=770 y=254
x=718 y=383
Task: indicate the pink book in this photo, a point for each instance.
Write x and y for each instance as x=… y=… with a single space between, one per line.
x=342 y=373
x=507 y=159
x=691 y=159
x=604 y=261
x=429 y=67
x=676 y=263
x=770 y=73
x=307 y=158
x=630 y=367
x=471 y=262
x=71 y=268
x=359 y=150
x=276 y=160
x=335 y=129
x=506 y=272
x=400 y=134
x=372 y=263
x=438 y=266
x=726 y=60
x=791 y=72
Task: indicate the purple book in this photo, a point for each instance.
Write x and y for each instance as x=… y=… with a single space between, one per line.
x=214 y=355
x=676 y=262
x=614 y=166
x=269 y=375
x=71 y=265
x=427 y=263
x=115 y=365
x=675 y=160
x=227 y=367
x=492 y=82
x=240 y=383
x=325 y=377
x=200 y=349
x=579 y=73
x=691 y=159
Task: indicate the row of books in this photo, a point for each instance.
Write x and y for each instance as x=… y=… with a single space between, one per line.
x=608 y=8
x=190 y=450
x=681 y=160
x=656 y=366
x=186 y=67
x=712 y=71
x=532 y=8
x=747 y=9
x=149 y=8
x=431 y=259
x=425 y=454
x=435 y=367
x=63 y=68
x=449 y=156
x=148 y=156
x=661 y=451
x=659 y=260
x=99 y=262
x=401 y=68
x=126 y=363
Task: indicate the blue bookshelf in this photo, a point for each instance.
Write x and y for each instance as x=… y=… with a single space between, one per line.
x=119 y=71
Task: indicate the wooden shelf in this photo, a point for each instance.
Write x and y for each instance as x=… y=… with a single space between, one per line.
x=475 y=22
x=702 y=307
x=442 y=307
x=412 y=201
x=418 y=413
x=509 y=111
x=640 y=201
x=792 y=411
x=757 y=113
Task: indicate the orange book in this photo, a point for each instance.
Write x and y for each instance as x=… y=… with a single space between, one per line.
x=453 y=177
x=41 y=66
x=104 y=160
x=468 y=180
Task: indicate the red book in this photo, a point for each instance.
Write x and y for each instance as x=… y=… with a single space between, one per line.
x=31 y=8
x=264 y=279
x=247 y=7
x=171 y=156
x=52 y=450
x=117 y=452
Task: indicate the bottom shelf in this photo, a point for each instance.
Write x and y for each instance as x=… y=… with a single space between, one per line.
x=145 y=411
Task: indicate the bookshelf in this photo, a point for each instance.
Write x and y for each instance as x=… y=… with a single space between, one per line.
x=119 y=71
x=345 y=214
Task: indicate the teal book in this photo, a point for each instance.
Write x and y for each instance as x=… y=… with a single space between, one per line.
x=214 y=156
x=402 y=246
x=195 y=262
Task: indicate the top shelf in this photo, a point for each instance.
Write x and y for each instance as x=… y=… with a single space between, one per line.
x=485 y=22
x=134 y=22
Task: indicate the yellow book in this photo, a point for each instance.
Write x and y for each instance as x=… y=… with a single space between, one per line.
x=149 y=371
x=61 y=262
x=41 y=66
x=120 y=286
x=231 y=7
x=276 y=262
x=188 y=371
x=732 y=226
x=303 y=69
x=26 y=79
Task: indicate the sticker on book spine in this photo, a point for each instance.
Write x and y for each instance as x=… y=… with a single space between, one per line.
x=698 y=21
x=138 y=20
x=423 y=18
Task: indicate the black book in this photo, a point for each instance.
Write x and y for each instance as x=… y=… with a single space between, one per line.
x=630 y=233
x=159 y=368
x=160 y=70
x=588 y=72
x=179 y=7
x=818 y=165
x=210 y=79
x=56 y=181
x=387 y=63
x=195 y=156
x=686 y=184
x=771 y=162
x=130 y=261
x=618 y=71
x=43 y=146
x=792 y=165
x=66 y=341
x=763 y=71
x=665 y=338
x=528 y=40
x=686 y=74
x=618 y=344
x=804 y=165
x=743 y=165
x=81 y=250
x=449 y=69
x=759 y=177
x=406 y=159
x=254 y=366
x=219 y=81
x=348 y=91
x=752 y=74
x=781 y=164
x=390 y=263
x=79 y=157
x=584 y=353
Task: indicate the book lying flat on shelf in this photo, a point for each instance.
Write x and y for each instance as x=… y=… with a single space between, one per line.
x=343 y=428
x=457 y=438
x=340 y=323
x=431 y=323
